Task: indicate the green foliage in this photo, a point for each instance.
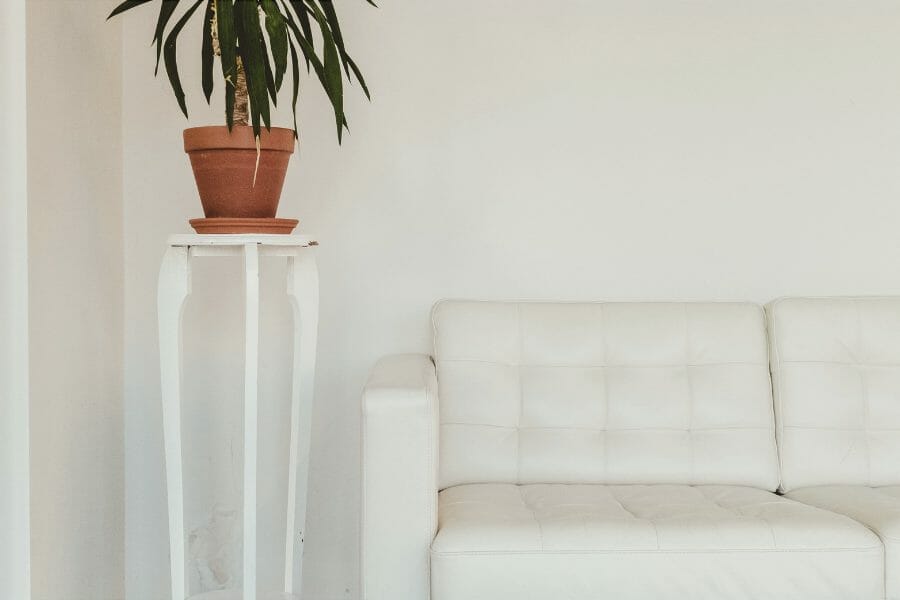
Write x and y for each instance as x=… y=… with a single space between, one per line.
x=264 y=35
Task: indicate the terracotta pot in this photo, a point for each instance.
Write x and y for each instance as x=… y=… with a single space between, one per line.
x=224 y=164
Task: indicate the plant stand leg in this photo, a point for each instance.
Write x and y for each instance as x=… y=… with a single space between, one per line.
x=303 y=289
x=174 y=288
x=251 y=431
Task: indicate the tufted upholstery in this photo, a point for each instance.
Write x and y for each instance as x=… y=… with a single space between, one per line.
x=627 y=450
x=581 y=542
x=604 y=393
x=878 y=508
x=836 y=372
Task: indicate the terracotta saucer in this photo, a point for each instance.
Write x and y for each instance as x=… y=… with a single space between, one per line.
x=243 y=225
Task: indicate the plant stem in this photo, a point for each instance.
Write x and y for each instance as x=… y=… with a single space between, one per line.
x=241 y=93
x=241 y=96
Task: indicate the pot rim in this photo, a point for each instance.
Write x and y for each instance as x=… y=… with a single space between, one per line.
x=217 y=137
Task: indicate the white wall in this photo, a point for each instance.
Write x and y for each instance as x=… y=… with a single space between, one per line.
x=75 y=273
x=585 y=149
x=14 y=500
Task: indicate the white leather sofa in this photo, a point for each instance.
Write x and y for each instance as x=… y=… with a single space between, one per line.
x=836 y=376
x=606 y=450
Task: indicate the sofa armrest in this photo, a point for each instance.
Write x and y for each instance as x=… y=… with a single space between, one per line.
x=399 y=462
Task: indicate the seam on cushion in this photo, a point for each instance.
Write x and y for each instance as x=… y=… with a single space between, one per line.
x=879 y=489
x=843 y=363
x=612 y=494
x=606 y=396
x=886 y=537
x=631 y=301
x=594 y=429
x=533 y=516
x=781 y=299
x=772 y=420
x=865 y=392
x=777 y=399
x=587 y=553
x=434 y=359
x=690 y=391
x=768 y=524
x=739 y=510
x=840 y=429
x=737 y=363
x=434 y=332
x=521 y=394
x=872 y=528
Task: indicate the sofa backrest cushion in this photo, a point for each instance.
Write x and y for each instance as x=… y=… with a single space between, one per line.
x=836 y=375
x=614 y=393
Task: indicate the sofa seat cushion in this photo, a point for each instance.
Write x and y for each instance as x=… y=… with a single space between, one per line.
x=581 y=542
x=878 y=508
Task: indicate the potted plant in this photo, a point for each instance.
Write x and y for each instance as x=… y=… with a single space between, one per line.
x=239 y=167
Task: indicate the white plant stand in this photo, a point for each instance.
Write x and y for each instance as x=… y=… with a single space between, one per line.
x=303 y=289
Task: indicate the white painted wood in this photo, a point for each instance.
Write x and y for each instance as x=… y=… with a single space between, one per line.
x=303 y=289
x=251 y=413
x=15 y=524
x=174 y=288
x=241 y=239
x=237 y=595
x=283 y=251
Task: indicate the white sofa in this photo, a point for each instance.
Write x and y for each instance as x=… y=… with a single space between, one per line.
x=607 y=450
x=836 y=376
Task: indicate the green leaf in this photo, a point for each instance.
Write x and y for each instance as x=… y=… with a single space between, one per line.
x=228 y=48
x=349 y=64
x=359 y=76
x=170 y=53
x=305 y=25
x=165 y=13
x=127 y=5
x=333 y=78
x=295 y=73
x=206 y=51
x=332 y=18
x=277 y=30
x=249 y=37
x=270 y=77
x=302 y=17
x=309 y=52
x=306 y=47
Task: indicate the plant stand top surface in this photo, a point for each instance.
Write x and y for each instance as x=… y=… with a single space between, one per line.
x=241 y=239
